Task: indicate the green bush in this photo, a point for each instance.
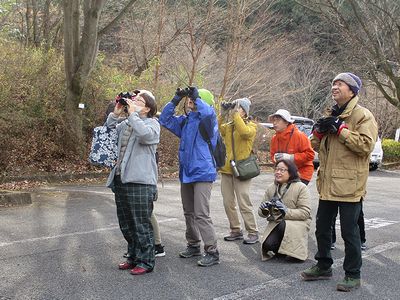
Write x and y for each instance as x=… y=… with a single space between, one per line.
x=391 y=150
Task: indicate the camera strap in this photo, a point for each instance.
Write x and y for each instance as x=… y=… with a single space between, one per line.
x=283 y=192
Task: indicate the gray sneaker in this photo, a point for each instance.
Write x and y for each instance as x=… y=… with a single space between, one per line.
x=233 y=236
x=208 y=259
x=363 y=246
x=190 y=252
x=251 y=239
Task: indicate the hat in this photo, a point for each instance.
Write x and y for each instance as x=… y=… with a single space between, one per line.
x=353 y=81
x=148 y=93
x=283 y=113
x=206 y=96
x=245 y=104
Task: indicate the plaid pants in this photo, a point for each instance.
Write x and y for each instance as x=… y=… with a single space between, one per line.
x=134 y=207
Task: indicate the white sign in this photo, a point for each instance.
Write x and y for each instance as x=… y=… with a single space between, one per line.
x=81 y=105
x=396 y=138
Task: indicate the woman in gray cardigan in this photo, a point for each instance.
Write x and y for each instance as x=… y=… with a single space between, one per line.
x=134 y=177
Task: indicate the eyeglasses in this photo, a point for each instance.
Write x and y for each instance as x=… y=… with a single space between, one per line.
x=280 y=170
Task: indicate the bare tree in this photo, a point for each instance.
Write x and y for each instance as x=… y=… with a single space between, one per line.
x=144 y=37
x=239 y=32
x=309 y=86
x=388 y=118
x=80 y=52
x=187 y=53
x=160 y=28
x=372 y=30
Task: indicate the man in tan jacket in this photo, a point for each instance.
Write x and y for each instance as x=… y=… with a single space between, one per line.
x=344 y=139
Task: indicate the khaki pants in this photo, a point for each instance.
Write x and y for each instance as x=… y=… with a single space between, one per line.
x=196 y=208
x=156 y=229
x=233 y=190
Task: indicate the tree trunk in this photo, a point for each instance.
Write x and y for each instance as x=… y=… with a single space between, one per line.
x=46 y=25
x=80 y=52
x=28 y=37
x=160 y=28
x=35 y=26
x=73 y=134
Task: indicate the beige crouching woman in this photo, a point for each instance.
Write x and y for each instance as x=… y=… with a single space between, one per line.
x=287 y=208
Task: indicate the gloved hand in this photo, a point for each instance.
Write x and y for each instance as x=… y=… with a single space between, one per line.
x=265 y=205
x=179 y=94
x=286 y=156
x=329 y=125
x=316 y=133
x=193 y=93
x=282 y=207
x=265 y=208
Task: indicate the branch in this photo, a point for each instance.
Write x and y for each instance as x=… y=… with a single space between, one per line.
x=110 y=25
x=392 y=100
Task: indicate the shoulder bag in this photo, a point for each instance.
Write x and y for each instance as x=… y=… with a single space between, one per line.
x=246 y=168
x=104 y=150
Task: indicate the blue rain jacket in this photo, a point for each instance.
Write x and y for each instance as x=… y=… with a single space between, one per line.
x=196 y=163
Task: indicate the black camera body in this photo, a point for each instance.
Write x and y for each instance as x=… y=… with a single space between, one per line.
x=122 y=96
x=228 y=105
x=186 y=92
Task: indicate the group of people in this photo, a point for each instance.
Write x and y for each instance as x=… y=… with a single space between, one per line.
x=344 y=139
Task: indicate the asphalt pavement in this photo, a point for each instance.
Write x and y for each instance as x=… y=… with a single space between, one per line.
x=67 y=245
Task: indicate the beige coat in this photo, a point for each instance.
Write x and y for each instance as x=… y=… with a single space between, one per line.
x=344 y=159
x=298 y=220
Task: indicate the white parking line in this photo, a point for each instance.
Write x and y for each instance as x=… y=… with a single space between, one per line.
x=44 y=238
x=53 y=189
x=284 y=282
x=372 y=223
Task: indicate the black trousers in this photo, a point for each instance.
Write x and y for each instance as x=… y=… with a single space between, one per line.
x=361 y=226
x=274 y=239
x=349 y=213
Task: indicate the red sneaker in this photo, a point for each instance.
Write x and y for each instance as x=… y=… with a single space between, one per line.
x=140 y=271
x=126 y=266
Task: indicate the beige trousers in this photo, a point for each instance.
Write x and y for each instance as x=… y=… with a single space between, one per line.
x=235 y=191
x=156 y=229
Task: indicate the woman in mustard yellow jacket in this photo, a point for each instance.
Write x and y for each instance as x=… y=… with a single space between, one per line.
x=234 y=191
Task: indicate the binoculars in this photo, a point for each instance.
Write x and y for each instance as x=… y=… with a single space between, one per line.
x=122 y=96
x=228 y=105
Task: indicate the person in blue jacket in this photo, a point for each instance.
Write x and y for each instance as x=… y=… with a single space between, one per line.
x=197 y=169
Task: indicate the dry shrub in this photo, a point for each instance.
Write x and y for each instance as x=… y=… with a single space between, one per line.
x=168 y=152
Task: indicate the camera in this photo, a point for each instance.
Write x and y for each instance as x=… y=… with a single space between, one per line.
x=228 y=105
x=186 y=92
x=122 y=96
x=270 y=206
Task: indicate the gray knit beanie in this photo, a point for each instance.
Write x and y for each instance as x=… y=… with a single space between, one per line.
x=245 y=104
x=353 y=81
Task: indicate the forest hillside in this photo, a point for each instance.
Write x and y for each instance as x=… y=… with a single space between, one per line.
x=278 y=53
